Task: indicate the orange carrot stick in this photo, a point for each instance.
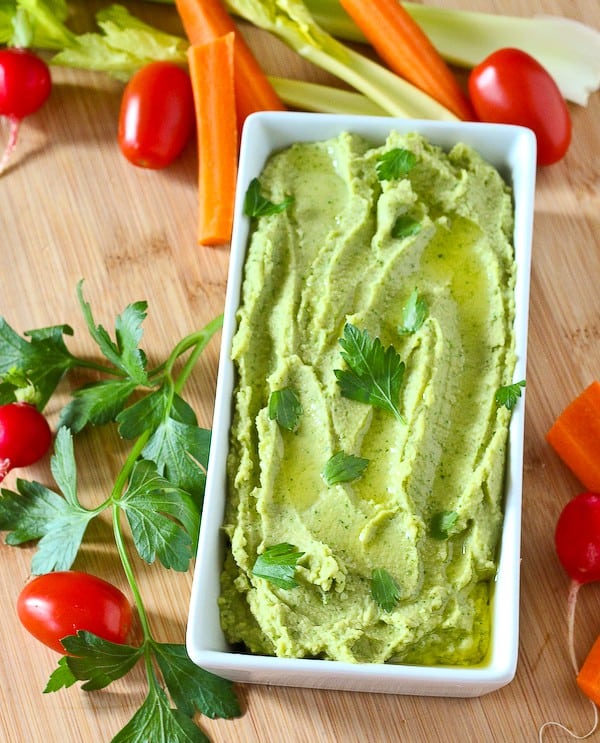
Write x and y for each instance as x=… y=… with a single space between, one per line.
x=575 y=436
x=588 y=678
x=405 y=48
x=212 y=72
x=206 y=20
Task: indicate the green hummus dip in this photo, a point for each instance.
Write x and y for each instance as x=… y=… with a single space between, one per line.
x=426 y=512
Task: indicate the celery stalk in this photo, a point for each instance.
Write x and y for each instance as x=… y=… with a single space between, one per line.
x=307 y=96
x=47 y=23
x=568 y=49
x=291 y=21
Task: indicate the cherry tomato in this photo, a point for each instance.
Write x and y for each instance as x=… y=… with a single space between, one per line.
x=55 y=605
x=157 y=115
x=511 y=87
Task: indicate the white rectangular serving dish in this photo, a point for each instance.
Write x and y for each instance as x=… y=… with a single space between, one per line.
x=513 y=151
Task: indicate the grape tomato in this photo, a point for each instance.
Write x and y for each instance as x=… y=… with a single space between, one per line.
x=511 y=87
x=55 y=605
x=157 y=116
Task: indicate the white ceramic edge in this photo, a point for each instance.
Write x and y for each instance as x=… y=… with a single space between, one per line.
x=512 y=150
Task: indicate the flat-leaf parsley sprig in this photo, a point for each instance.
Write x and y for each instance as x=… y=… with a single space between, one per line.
x=374 y=373
x=157 y=494
x=509 y=394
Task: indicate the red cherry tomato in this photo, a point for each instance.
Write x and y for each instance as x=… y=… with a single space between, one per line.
x=511 y=87
x=55 y=605
x=157 y=116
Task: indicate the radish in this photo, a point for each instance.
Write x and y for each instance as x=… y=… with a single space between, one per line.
x=577 y=541
x=25 y=84
x=25 y=436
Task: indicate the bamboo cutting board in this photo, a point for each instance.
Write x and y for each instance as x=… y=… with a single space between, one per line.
x=72 y=208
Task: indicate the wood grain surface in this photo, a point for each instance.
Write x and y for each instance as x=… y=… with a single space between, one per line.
x=72 y=208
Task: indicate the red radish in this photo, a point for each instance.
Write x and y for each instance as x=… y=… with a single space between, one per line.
x=25 y=436
x=577 y=541
x=25 y=85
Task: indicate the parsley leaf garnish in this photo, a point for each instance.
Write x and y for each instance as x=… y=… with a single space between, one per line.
x=164 y=520
x=145 y=414
x=394 y=163
x=36 y=512
x=192 y=688
x=374 y=375
x=509 y=394
x=158 y=490
x=343 y=467
x=277 y=564
x=98 y=662
x=442 y=523
x=414 y=314
x=384 y=589
x=61 y=678
x=285 y=408
x=123 y=352
x=94 y=660
x=405 y=226
x=256 y=205
x=44 y=359
x=180 y=452
x=155 y=720
x=96 y=404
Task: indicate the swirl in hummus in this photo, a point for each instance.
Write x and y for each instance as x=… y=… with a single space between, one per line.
x=328 y=259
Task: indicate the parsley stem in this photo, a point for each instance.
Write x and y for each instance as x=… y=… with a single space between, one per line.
x=127 y=467
x=198 y=341
x=103 y=368
x=117 y=490
x=202 y=339
x=130 y=575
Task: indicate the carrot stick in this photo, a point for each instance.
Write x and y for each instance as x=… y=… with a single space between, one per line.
x=575 y=436
x=405 y=48
x=206 y=20
x=588 y=678
x=212 y=72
